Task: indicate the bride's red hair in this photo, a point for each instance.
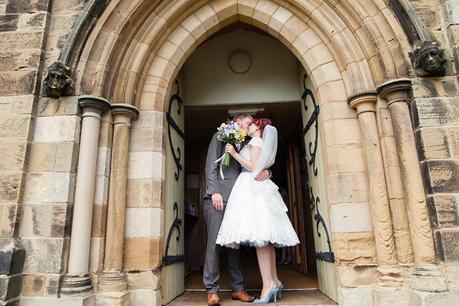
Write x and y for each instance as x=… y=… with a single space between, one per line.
x=261 y=123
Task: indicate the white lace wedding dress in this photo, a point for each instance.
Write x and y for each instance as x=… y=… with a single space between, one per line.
x=255 y=213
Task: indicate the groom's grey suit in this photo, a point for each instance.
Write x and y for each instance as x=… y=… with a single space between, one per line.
x=215 y=184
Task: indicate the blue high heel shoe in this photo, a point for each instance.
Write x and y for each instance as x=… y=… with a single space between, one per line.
x=279 y=287
x=272 y=294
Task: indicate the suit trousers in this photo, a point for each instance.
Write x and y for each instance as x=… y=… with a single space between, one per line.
x=211 y=264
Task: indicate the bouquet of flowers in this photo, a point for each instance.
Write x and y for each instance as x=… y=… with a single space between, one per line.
x=231 y=133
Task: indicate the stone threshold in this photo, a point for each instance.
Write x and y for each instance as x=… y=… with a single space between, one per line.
x=296 y=297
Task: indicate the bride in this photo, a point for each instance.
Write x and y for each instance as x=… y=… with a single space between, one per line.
x=255 y=213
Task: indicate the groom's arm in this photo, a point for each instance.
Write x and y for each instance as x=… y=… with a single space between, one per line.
x=212 y=186
x=213 y=151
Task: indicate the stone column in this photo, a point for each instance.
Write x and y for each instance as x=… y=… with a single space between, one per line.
x=77 y=280
x=397 y=94
x=379 y=201
x=113 y=278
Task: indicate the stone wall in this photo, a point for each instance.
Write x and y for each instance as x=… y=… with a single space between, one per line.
x=435 y=113
x=23 y=27
x=39 y=145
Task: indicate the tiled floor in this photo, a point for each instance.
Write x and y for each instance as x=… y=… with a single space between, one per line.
x=290 y=298
x=252 y=280
x=301 y=290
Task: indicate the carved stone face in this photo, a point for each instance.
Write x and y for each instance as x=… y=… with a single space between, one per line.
x=58 y=81
x=429 y=60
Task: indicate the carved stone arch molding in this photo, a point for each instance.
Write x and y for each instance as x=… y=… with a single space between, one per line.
x=132 y=31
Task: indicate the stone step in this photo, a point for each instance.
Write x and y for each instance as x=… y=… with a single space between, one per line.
x=289 y=298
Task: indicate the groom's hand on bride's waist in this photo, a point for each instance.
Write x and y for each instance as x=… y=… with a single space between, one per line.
x=263 y=175
x=217 y=201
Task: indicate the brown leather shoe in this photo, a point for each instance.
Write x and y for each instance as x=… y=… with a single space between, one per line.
x=242 y=296
x=213 y=299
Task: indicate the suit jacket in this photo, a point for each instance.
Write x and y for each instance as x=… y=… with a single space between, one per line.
x=214 y=182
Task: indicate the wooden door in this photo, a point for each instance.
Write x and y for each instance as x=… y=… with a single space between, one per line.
x=173 y=269
x=297 y=207
x=326 y=271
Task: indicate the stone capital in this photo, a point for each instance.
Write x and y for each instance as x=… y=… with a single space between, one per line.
x=124 y=113
x=363 y=102
x=398 y=90
x=93 y=103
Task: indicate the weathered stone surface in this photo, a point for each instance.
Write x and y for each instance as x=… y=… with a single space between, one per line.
x=57 y=107
x=27 y=60
x=347 y=188
x=68 y=5
x=142 y=253
x=143 y=297
x=57 y=129
x=144 y=222
x=443 y=210
x=8 y=214
x=441 y=175
x=96 y=255
x=99 y=220
x=14 y=126
x=40 y=285
x=435 y=112
x=143 y=280
x=58 y=301
x=10 y=286
x=44 y=220
x=419 y=298
x=391 y=296
x=44 y=255
x=13 y=41
x=145 y=165
x=9 y=187
x=12 y=256
x=48 y=187
x=357 y=275
x=362 y=296
x=12 y=156
x=432 y=143
x=23 y=22
x=453 y=141
x=27 y=6
x=144 y=193
x=447 y=246
x=16 y=104
x=347 y=217
x=356 y=248
x=8 y=22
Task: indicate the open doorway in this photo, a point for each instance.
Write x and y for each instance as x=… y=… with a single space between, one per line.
x=296 y=265
x=243 y=69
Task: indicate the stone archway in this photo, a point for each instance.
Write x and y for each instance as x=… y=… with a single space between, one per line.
x=347 y=57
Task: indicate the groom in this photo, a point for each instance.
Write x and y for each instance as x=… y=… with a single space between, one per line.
x=217 y=194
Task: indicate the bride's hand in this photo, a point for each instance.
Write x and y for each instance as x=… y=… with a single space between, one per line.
x=229 y=148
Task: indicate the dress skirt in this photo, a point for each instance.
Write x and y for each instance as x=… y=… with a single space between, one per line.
x=256 y=215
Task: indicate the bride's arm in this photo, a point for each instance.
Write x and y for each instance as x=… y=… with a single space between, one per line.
x=248 y=164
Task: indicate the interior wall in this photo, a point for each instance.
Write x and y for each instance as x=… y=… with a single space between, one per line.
x=271 y=77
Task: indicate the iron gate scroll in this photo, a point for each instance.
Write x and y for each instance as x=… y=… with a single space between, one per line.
x=311 y=150
x=177 y=155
